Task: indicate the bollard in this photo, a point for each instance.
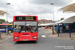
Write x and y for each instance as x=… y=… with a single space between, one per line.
x=58 y=34
x=0 y=35
x=53 y=31
x=70 y=33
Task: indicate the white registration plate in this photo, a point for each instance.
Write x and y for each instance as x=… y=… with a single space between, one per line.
x=25 y=39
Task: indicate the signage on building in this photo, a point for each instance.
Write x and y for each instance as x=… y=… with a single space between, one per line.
x=67 y=27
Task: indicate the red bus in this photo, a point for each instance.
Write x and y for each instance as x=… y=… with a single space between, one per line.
x=46 y=27
x=25 y=28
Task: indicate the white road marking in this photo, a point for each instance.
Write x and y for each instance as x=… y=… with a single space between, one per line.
x=43 y=36
x=5 y=39
x=38 y=36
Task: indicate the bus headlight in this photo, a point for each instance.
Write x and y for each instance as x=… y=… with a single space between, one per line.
x=34 y=37
x=16 y=37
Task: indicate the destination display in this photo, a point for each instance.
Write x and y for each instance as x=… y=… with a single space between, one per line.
x=25 y=18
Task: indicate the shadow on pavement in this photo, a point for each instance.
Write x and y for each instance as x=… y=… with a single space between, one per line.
x=25 y=42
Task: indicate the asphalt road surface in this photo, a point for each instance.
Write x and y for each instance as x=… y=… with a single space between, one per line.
x=45 y=42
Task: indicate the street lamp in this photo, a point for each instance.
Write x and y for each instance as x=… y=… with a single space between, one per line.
x=7 y=17
x=53 y=17
x=53 y=10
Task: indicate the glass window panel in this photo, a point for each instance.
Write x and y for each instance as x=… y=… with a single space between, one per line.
x=25 y=26
x=32 y=26
x=18 y=26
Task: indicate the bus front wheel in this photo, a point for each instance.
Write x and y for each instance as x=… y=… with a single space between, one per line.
x=10 y=31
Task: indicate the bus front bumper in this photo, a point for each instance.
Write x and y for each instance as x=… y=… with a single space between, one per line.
x=26 y=39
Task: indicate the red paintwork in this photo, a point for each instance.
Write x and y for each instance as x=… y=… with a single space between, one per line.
x=25 y=35
x=46 y=27
x=24 y=16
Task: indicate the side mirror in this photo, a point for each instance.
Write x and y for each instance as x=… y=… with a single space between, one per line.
x=31 y=31
x=19 y=31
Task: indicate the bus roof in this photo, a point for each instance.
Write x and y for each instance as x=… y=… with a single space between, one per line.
x=24 y=15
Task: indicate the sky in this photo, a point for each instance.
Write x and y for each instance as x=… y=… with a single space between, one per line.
x=41 y=8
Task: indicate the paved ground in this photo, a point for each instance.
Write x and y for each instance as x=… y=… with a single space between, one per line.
x=45 y=42
x=62 y=35
x=4 y=37
x=67 y=35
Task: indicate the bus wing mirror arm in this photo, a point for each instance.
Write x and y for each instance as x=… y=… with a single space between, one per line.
x=31 y=32
x=19 y=31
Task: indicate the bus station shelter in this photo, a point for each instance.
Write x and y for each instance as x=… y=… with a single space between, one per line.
x=65 y=25
x=2 y=12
